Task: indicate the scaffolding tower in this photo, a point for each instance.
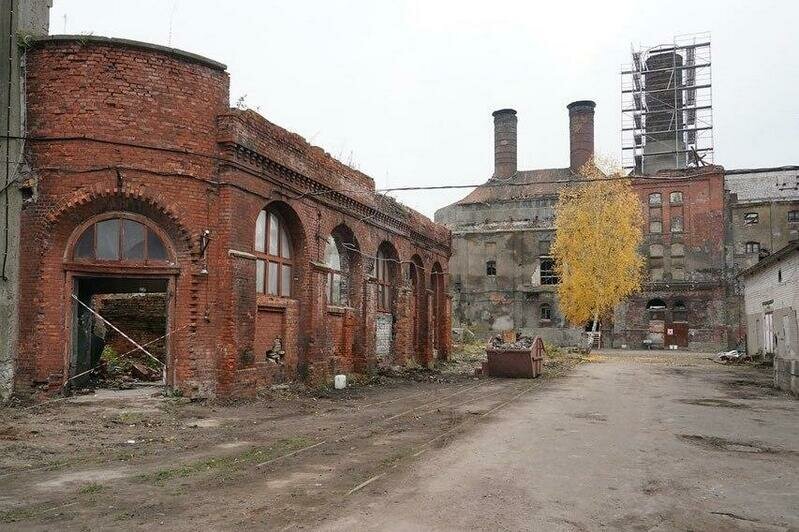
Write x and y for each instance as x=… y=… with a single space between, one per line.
x=667 y=106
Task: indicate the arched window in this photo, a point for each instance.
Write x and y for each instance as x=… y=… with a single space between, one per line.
x=386 y=266
x=274 y=254
x=545 y=312
x=679 y=312
x=120 y=239
x=335 y=260
x=656 y=309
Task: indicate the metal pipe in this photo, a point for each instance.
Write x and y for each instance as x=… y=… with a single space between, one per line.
x=8 y=135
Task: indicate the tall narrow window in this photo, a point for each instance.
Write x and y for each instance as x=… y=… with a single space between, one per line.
x=545 y=312
x=273 y=266
x=675 y=198
x=385 y=267
x=491 y=268
x=337 y=278
x=655 y=213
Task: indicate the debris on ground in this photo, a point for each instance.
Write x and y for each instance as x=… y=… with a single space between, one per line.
x=521 y=342
x=732 y=357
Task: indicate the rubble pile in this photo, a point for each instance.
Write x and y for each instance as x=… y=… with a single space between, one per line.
x=522 y=342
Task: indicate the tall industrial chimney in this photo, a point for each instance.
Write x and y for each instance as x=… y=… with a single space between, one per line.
x=504 y=143
x=581 y=133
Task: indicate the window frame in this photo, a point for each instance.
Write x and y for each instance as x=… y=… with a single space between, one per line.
x=149 y=230
x=491 y=268
x=334 y=274
x=548 y=278
x=284 y=238
x=679 y=201
x=793 y=216
x=384 y=277
x=752 y=247
x=545 y=312
x=652 y=196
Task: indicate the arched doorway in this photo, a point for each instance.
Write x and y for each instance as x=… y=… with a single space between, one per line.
x=656 y=324
x=386 y=278
x=121 y=270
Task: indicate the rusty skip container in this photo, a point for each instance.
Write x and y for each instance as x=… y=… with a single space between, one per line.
x=516 y=363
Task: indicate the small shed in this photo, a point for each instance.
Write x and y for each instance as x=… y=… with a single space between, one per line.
x=771 y=298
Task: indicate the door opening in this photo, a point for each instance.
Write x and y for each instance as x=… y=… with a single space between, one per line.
x=101 y=355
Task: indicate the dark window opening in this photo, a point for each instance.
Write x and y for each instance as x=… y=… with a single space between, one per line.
x=679 y=312
x=491 y=268
x=545 y=312
x=751 y=218
x=793 y=216
x=753 y=247
x=548 y=274
x=656 y=309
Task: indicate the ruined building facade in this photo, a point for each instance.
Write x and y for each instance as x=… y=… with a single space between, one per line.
x=275 y=260
x=503 y=275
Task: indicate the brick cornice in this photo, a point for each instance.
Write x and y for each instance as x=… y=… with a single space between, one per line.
x=305 y=186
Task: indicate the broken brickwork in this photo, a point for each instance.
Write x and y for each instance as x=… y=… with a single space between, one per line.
x=130 y=131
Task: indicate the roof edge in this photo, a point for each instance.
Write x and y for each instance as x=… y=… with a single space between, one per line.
x=768 y=260
x=128 y=43
x=787 y=168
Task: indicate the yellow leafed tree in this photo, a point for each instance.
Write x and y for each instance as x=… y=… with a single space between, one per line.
x=598 y=234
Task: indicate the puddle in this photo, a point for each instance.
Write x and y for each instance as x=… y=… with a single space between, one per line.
x=722 y=444
x=723 y=403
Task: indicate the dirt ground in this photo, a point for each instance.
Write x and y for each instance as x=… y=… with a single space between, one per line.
x=632 y=441
x=130 y=459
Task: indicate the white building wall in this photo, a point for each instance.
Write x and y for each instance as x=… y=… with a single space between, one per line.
x=774 y=290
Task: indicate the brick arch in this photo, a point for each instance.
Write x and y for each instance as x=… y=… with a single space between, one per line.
x=44 y=276
x=61 y=224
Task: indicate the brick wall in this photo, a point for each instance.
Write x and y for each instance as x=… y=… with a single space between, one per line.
x=143 y=131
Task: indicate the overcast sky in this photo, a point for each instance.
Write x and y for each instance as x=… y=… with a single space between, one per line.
x=405 y=89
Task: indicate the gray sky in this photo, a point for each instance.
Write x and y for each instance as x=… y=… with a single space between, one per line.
x=405 y=89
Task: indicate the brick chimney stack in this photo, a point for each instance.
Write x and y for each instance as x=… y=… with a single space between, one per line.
x=581 y=133
x=504 y=143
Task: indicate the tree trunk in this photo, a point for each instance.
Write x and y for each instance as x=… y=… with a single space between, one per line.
x=595 y=325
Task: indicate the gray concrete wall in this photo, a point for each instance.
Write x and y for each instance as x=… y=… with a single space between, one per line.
x=513 y=234
x=18 y=18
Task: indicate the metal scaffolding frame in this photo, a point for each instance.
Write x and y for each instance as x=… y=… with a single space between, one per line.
x=669 y=107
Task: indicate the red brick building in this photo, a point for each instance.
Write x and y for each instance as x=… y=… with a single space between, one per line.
x=143 y=179
x=685 y=297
